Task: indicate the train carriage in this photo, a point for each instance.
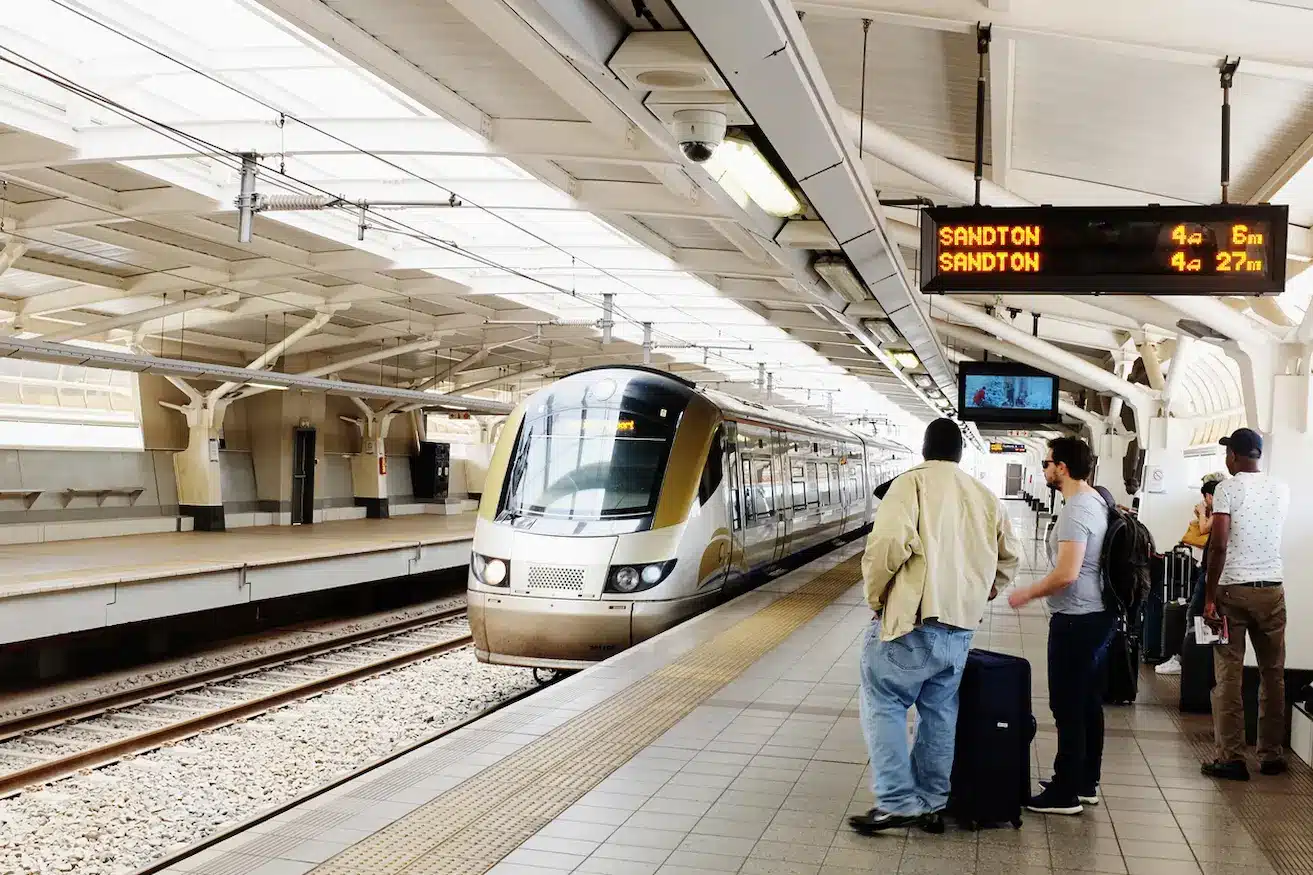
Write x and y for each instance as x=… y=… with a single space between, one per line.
x=622 y=500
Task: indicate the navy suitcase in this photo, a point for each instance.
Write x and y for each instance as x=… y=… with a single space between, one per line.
x=995 y=726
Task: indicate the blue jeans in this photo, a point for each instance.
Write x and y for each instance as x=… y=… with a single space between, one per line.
x=922 y=668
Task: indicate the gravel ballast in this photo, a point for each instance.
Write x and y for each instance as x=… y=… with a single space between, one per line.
x=121 y=817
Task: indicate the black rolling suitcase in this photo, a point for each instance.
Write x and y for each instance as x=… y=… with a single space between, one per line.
x=1196 y=676
x=995 y=726
x=1154 y=646
x=1123 y=666
x=1180 y=567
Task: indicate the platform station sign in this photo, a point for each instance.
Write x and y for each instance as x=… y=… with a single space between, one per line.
x=1229 y=249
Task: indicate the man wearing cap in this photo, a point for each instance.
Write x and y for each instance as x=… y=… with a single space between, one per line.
x=1244 y=585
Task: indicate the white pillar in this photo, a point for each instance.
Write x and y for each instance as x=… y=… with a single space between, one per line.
x=196 y=469
x=369 y=473
x=1287 y=449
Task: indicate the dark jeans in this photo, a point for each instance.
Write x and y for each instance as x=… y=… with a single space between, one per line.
x=1078 y=667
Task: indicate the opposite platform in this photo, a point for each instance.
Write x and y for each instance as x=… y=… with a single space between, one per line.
x=69 y=586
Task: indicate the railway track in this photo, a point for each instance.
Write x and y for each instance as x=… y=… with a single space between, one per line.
x=41 y=747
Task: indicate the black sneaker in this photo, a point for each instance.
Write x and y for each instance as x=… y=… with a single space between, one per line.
x=875 y=821
x=1274 y=767
x=1090 y=797
x=1050 y=802
x=1236 y=770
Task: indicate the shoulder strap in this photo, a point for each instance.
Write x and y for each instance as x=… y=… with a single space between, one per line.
x=1107 y=497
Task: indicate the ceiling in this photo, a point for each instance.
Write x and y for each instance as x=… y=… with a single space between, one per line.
x=123 y=124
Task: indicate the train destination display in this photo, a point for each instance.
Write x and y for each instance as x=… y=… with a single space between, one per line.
x=1212 y=250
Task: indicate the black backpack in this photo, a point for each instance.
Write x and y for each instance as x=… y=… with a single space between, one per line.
x=1127 y=560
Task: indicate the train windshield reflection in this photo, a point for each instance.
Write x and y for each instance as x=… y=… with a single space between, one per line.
x=592 y=463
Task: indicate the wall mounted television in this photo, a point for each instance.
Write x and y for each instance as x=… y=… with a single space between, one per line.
x=1006 y=392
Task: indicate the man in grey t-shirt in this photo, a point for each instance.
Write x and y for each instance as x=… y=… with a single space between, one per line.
x=1082 y=520
x=1080 y=629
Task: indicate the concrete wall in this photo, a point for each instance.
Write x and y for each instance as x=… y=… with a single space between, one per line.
x=56 y=470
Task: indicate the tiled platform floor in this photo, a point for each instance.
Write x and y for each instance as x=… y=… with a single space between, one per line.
x=759 y=779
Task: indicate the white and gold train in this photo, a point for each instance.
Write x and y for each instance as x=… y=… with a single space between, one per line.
x=621 y=501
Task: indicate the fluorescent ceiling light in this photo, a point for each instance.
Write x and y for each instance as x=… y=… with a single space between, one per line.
x=740 y=164
x=883 y=330
x=907 y=360
x=268 y=386
x=835 y=271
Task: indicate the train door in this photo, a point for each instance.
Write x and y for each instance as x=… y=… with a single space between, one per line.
x=1012 y=484
x=737 y=511
x=783 y=496
x=762 y=522
x=303 y=477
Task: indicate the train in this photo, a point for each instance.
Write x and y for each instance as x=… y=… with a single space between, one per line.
x=620 y=501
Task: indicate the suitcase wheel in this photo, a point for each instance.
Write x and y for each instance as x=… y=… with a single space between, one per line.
x=969 y=825
x=1016 y=824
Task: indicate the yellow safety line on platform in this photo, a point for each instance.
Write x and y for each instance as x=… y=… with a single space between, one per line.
x=468 y=829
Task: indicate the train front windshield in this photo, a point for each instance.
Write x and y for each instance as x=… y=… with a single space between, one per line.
x=589 y=464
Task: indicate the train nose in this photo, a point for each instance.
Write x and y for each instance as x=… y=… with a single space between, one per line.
x=561 y=568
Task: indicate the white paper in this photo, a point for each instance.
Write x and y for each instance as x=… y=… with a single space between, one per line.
x=1204 y=633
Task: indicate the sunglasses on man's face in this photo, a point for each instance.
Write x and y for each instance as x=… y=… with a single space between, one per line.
x=1048 y=462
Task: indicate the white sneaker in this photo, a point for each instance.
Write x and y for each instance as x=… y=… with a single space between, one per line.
x=1171 y=666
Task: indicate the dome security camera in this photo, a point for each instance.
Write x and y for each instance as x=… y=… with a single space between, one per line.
x=699 y=132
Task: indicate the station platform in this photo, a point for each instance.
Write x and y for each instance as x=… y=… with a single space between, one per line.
x=731 y=744
x=70 y=586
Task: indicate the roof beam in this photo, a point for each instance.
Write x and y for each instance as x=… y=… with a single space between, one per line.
x=139 y=317
x=410 y=136
x=1089 y=374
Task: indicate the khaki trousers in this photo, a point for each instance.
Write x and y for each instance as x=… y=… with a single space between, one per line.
x=1259 y=612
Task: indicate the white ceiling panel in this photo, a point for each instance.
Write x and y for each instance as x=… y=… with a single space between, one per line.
x=1150 y=125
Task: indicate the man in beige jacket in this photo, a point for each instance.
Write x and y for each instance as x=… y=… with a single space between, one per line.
x=941 y=545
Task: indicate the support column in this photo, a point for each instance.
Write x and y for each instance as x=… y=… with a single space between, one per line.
x=196 y=469
x=369 y=472
x=1287 y=449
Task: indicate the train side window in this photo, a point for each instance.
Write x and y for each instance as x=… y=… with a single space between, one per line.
x=813 y=488
x=797 y=475
x=758 y=488
x=836 y=493
x=714 y=469
x=823 y=482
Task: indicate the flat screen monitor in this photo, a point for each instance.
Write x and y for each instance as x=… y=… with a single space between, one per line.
x=1006 y=392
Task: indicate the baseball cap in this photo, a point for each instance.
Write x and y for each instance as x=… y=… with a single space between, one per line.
x=1245 y=443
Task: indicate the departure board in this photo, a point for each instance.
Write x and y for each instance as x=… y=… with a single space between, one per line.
x=1204 y=250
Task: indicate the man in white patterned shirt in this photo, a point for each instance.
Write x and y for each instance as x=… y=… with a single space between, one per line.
x=1244 y=583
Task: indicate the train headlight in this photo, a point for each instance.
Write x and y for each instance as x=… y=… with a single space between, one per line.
x=627 y=579
x=490 y=571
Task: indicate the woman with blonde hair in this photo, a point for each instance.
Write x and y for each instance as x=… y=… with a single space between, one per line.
x=1196 y=535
